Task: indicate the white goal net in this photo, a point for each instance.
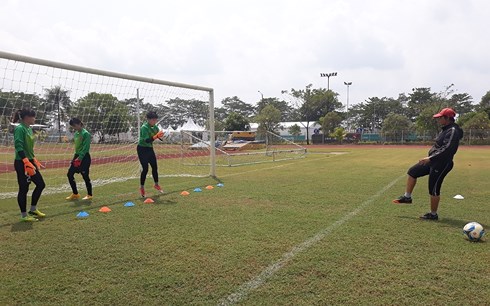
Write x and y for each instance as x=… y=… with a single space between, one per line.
x=112 y=107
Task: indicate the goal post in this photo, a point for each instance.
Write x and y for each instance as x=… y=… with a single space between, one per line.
x=112 y=106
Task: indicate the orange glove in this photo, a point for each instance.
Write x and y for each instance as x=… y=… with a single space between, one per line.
x=29 y=168
x=158 y=135
x=38 y=164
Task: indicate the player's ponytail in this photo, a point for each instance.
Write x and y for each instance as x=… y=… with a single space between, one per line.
x=21 y=114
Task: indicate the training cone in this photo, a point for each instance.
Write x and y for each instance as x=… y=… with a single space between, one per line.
x=197 y=190
x=105 y=209
x=209 y=187
x=82 y=214
x=459 y=197
x=128 y=204
x=148 y=201
x=220 y=185
x=184 y=193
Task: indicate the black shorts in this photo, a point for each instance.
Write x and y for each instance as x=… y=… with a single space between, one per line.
x=146 y=155
x=436 y=175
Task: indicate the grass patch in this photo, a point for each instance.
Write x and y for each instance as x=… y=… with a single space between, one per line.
x=201 y=248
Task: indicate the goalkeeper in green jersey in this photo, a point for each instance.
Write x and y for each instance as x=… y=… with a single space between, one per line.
x=81 y=160
x=26 y=165
x=149 y=132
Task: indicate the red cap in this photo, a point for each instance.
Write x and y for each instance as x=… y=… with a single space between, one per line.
x=448 y=112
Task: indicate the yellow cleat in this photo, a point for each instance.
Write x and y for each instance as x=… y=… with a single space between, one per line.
x=37 y=213
x=73 y=197
x=28 y=219
x=87 y=198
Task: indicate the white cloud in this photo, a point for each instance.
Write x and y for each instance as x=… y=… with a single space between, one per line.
x=239 y=47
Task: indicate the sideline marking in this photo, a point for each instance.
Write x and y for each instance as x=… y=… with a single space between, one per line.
x=244 y=289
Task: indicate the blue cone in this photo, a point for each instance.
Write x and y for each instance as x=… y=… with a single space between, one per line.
x=197 y=190
x=82 y=214
x=129 y=204
x=220 y=185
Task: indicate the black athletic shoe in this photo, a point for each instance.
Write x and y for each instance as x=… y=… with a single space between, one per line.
x=429 y=216
x=403 y=200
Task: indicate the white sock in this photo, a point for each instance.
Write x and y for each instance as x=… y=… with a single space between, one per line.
x=408 y=195
x=433 y=213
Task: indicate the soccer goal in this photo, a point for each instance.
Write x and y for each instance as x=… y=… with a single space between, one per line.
x=113 y=107
x=241 y=148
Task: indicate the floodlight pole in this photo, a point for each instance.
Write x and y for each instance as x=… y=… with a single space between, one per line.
x=347 y=84
x=262 y=96
x=328 y=75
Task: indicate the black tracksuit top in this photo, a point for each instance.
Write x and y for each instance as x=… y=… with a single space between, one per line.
x=447 y=143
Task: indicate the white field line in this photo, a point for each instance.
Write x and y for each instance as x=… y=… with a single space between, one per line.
x=244 y=290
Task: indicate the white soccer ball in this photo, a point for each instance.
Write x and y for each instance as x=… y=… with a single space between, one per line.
x=473 y=231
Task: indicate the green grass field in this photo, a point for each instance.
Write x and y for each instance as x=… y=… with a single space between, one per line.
x=324 y=223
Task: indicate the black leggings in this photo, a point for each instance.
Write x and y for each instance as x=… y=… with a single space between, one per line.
x=24 y=182
x=147 y=156
x=436 y=175
x=84 y=170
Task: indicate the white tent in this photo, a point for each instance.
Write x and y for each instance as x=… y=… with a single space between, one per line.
x=191 y=126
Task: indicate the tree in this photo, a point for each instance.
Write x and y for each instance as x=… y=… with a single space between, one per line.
x=339 y=134
x=236 y=122
x=330 y=121
x=234 y=104
x=268 y=120
x=371 y=113
x=465 y=118
x=485 y=104
x=281 y=105
x=118 y=121
x=103 y=114
x=294 y=130
x=425 y=121
x=462 y=103
x=478 y=125
x=312 y=104
x=419 y=99
x=395 y=123
x=179 y=110
x=57 y=100
x=12 y=101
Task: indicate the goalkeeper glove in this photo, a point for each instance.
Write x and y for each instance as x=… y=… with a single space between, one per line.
x=29 y=168
x=158 y=135
x=77 y=163
x=38 y=164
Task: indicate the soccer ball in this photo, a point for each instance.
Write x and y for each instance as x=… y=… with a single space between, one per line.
x=473 y=231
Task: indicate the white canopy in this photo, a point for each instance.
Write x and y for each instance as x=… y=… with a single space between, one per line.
x=191 y=126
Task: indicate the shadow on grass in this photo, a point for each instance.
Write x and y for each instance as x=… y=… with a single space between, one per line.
x=444 y=221
x=21 y=227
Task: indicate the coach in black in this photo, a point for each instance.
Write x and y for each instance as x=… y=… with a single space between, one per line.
x=437 y=165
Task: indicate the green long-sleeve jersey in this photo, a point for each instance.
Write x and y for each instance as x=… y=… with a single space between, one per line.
x=82 y=143
x=146 y=135
x=23 y=142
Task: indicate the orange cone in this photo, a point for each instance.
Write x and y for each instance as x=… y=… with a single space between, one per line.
x=105 y=209
x=184 y=193
x=209 y=187
x=148 y=201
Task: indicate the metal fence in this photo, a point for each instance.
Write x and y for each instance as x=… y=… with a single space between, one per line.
x=470 y=137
